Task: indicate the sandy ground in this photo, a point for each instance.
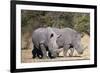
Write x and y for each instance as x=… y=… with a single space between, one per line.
x=26 y=54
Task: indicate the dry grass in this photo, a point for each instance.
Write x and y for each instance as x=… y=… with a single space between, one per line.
x=26 y=54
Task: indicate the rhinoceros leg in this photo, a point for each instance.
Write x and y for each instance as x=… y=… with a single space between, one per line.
x=43 y=50
x=34 y=52
x=66 y=47
x=71 y=52
x=39 y=53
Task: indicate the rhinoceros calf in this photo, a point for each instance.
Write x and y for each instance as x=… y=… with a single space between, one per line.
x=44 y=39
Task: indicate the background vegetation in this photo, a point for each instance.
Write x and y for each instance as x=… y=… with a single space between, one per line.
x=31 y=20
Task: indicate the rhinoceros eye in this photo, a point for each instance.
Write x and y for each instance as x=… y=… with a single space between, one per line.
x=51 y=35
x=59 y=36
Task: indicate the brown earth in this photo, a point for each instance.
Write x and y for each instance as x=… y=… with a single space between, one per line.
x=26 y=54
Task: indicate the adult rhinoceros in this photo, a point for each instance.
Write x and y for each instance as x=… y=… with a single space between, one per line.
x=69 y=39
x=44 y=39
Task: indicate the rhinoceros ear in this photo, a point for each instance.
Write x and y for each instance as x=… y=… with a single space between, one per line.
x=51 y=35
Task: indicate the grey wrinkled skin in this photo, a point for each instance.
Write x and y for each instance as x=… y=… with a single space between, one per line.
x=65 y=38
x=44 y=39
x=69 y=39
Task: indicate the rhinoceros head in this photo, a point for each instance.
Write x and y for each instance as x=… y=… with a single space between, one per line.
x=77 y=44
x=52 y=38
